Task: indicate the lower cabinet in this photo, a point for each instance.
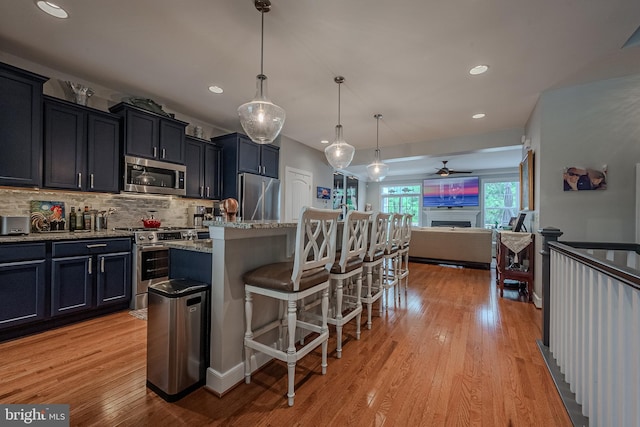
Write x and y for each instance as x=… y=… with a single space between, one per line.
x=93 y=275
x=49 y=284
x=22 y=284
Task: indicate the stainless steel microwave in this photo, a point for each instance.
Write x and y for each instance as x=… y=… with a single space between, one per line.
x=153 y=177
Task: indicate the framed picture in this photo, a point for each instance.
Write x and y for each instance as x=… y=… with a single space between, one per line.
x=324 y=193
x=577 y=178
x=526 y=182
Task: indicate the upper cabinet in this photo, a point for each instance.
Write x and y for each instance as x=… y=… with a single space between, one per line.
x=82 y=150
x=151 y=135
x=20 y=127
x=204 y=169
x=240 y=155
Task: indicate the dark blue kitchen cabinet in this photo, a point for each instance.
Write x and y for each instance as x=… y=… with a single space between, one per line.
x=71 y=284
x=22 y=284
x=113 y=278
x=150 y=135
x=241 y=155
x=204 y=169
x=20 y=127
x=86 y=274
x=82 y=147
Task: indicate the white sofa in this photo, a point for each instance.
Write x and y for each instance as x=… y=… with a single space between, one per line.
x=467 y=246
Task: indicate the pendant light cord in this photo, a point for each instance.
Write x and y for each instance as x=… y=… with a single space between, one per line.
x=262 y=45
x=339 y=103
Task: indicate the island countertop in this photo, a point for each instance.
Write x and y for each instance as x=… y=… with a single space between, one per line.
x=203 y=245
x=247 y=225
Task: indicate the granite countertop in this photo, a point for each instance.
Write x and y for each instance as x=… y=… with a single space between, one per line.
x=203 y=245
x=247 y=225
x=65 y=235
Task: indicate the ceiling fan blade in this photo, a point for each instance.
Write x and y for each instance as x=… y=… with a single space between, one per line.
x=454 y=171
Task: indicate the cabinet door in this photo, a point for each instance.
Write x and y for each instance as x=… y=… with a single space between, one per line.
x=248 y=155
x=193 y=154
x=270 y=160
x=20 y=127
x=22 y=286
x=65 y=146
x=103 y=161
x=171 y=142
x=71 y=284
x=141 y=134
x=113 y=278
x=212 y=172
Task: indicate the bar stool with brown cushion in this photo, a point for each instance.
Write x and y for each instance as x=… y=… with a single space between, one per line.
x=403 y=251
x=392 y=258
x=346 y=304
x=373 y=260
x=291 y=282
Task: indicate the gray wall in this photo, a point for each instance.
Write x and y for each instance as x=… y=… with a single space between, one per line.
x=588 y=125
x=297 y=155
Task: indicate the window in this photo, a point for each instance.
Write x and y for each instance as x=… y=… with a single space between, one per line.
x=501 y=202
x=403 y=199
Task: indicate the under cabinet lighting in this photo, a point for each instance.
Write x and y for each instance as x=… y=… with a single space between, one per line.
x=52 y=9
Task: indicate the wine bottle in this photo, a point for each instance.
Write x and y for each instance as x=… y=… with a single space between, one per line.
x=72 y=219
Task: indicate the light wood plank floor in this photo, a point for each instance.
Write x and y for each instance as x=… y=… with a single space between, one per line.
x=452 y=353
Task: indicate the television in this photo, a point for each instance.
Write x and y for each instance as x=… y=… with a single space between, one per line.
x=451 y=192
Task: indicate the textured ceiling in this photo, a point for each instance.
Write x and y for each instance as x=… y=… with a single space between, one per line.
x=406 y=59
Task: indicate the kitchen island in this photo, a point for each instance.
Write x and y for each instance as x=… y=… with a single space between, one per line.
x=238 y=247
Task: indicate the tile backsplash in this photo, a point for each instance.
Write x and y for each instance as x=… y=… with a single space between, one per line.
x=130 y=208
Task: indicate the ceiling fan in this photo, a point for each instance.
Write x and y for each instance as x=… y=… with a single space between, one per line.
x=445 y=171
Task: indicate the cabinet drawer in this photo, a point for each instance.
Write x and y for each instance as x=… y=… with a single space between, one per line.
x=22 y=252
x=90 y=247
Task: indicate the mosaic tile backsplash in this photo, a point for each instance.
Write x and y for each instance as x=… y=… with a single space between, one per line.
x=130 y=208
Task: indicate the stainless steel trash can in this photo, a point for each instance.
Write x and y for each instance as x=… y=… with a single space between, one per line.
x=177 y=345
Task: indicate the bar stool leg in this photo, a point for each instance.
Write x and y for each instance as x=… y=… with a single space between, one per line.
x=338 y=317
x=324 y=329
x=248 y=335
x=358 y=304
x=369 y=303
x=291 y=350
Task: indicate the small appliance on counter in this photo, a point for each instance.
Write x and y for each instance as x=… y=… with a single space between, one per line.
x=196 y=216
x=11 y=225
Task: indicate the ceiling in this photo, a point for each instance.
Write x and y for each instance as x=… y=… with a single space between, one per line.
x=405 y=59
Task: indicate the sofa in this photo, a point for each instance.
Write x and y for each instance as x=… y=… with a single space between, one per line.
x=466 y=246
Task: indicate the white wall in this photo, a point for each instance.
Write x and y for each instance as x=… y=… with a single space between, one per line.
x=590 y=125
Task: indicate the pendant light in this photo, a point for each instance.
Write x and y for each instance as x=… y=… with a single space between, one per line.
x=261 y=119
x=377 y=170
x=339 y=154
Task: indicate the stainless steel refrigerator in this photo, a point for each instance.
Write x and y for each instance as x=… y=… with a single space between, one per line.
x=259 y=197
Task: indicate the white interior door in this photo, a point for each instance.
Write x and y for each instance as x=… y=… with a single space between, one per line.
x=298 y=192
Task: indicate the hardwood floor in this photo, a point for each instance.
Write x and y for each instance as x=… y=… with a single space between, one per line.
x=452 y=353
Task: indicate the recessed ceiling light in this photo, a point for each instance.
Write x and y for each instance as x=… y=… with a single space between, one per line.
x=479 y=116
x=324 y=141
x=478 y=69
x=216 y=89
x=52 y=9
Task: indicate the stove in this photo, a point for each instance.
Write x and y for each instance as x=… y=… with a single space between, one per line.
x=151 y=258
x=149 y=236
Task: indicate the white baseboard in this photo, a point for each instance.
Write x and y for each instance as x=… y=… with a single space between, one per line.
x=537 y=301
x=220 y=383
